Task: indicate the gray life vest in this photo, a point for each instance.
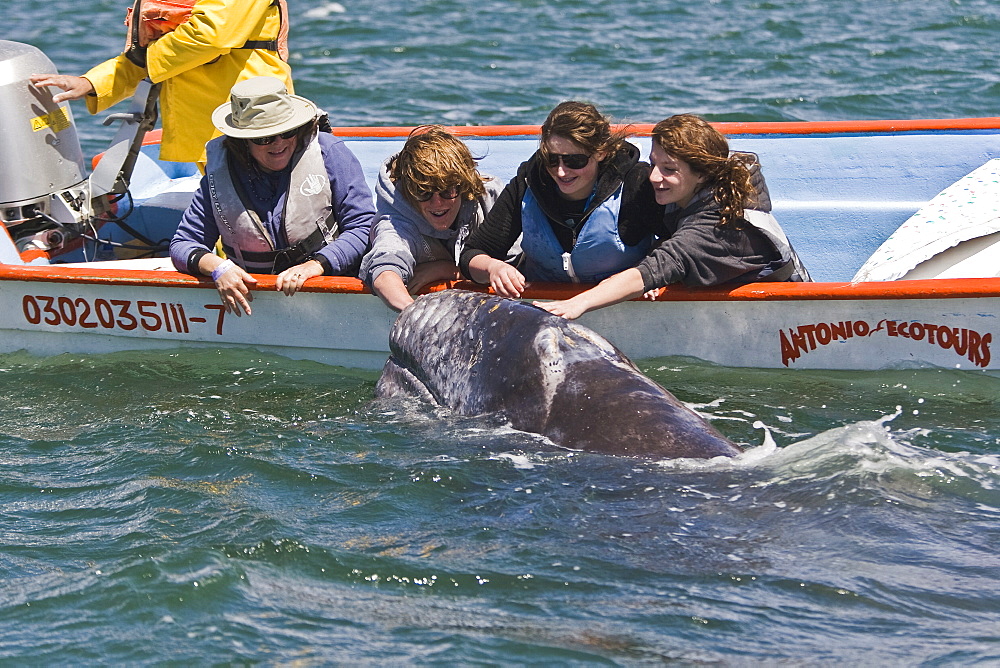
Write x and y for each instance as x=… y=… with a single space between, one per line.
x=790 y=267
x=307 y=219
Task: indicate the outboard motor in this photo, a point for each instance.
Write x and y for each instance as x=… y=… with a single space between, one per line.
x=44 y=195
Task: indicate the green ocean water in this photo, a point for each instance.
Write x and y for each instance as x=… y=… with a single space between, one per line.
x=510 y=61
x=214 y=508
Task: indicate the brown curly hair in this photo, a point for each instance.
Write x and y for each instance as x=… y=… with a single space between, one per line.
x=432 y=160
x=690 y=138
x=583 y=124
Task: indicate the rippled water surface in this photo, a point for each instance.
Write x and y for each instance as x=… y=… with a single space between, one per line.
x=510 y=61
x=203 y=507
x=212 y=508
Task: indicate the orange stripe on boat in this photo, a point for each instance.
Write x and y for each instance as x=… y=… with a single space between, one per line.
x=890 y=290
x=644 y=129
x=729 y=128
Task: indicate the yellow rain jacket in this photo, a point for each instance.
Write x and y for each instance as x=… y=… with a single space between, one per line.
x=198 y=64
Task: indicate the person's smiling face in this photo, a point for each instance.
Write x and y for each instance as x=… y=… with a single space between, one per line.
x=673 y=180
x=441 y=208
x=573 y=184
x=275 y=156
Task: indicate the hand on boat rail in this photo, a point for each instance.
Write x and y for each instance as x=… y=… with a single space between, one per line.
x=290 y=280
x=234 y=285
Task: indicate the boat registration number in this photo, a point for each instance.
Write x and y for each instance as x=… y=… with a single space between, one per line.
x=123 y=314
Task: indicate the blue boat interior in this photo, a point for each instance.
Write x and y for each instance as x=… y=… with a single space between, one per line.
x=838 y=196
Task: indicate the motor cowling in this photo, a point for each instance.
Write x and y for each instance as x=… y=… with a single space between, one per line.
x=42 y=172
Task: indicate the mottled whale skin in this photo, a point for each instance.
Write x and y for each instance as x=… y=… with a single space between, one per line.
x=476 y=354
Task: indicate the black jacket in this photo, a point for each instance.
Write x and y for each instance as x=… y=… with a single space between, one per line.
x=639 y=216
x=695 y=251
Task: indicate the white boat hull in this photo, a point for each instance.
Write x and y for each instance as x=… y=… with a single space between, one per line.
x=936 y=323
x=839 y=191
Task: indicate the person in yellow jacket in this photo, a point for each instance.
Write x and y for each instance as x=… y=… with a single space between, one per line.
x=198 y=63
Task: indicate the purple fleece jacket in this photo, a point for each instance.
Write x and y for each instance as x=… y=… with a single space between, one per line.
x=353 y=208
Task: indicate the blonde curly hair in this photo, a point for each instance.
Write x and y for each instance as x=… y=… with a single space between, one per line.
x=433 y=160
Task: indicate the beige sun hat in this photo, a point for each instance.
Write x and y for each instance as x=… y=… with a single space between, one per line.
x=261 y=107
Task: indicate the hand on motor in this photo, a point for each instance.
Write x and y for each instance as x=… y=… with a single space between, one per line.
x=506 y=281
x=234 y=286
x=74 y=87
x=290 y=280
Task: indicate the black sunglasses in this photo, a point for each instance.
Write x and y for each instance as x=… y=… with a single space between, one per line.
x=425 y=195
x=571 y=160
x=264 y=141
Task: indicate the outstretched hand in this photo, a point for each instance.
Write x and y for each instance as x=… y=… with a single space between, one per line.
x=565 y=308
x=73 y=87
x=624 y=285
x=506 y=281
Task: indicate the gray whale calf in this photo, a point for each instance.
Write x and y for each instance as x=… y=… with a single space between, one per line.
x=476 y=354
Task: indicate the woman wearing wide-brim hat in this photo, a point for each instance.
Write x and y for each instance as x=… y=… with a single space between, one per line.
x=283 y=198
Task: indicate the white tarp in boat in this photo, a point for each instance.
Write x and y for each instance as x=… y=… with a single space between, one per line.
x=955 y=235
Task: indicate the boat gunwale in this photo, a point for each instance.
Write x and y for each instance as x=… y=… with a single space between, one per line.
x=729 y=128
x=937 y=288
x=894 y=290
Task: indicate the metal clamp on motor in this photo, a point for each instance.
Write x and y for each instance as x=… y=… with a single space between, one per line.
x=128 y=117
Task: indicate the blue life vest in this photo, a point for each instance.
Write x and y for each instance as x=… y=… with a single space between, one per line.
x=598 y=253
